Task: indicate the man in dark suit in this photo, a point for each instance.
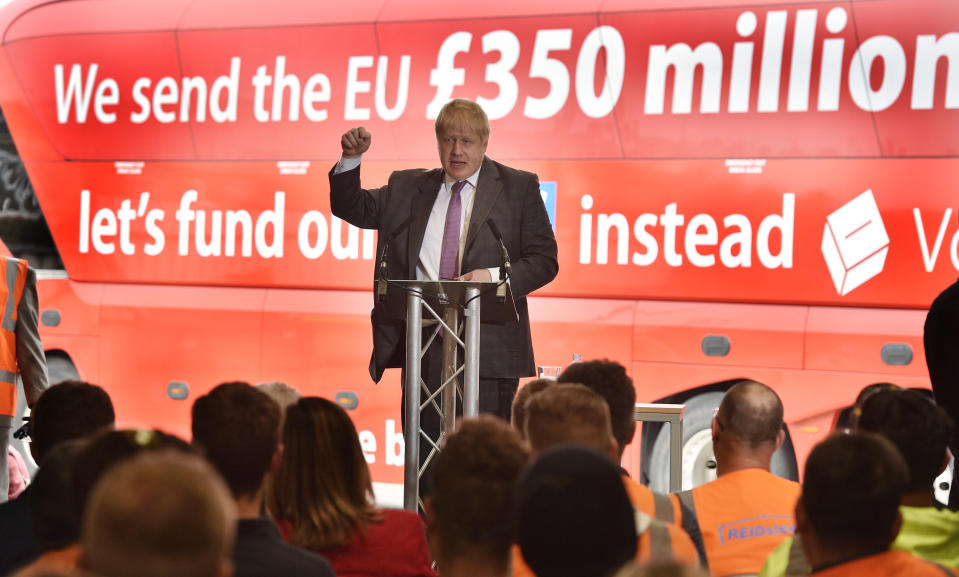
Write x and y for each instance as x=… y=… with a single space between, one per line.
x=412 y=215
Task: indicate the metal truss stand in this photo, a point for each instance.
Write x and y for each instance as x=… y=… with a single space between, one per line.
x=454 y=307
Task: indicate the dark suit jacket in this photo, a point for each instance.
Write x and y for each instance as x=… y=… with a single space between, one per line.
x=509 y=197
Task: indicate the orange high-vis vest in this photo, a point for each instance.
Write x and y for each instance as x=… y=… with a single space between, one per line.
x=738 y=519
x=658 y=541
x=11 y=289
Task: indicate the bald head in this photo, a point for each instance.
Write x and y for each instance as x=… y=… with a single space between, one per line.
x=752 y=414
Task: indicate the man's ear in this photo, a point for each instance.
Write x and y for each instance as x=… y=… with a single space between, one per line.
x=714 y=427
x=277 y=457
x=429 y=514
x=780 y=438
x=614 y=450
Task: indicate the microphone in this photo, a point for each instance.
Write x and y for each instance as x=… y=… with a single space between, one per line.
x=381 y=281
x=504 y=269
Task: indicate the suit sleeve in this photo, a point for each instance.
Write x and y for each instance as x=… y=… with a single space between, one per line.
x=349 y=201
x=536 y=263
x=30 y=356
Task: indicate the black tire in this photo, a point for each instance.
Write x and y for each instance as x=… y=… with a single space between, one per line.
x=698 y=459
x=60 y=368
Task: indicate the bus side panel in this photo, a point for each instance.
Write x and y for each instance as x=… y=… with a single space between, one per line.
x=156 y=339
x=319 y=342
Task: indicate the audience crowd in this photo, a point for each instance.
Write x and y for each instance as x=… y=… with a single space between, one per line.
x=276 y=484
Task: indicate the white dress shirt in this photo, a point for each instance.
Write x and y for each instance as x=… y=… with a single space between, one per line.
x=428 y=265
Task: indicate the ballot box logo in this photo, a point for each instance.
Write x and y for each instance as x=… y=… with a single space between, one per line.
x=855 y=243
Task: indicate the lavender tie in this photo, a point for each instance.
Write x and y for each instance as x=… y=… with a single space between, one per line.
x=449 y=256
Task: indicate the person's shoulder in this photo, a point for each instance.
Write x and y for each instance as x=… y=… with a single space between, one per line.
x=259 y=546
x=506 y=171
x=892 y=562
x=400 y=517
x=414 y=173
x=787 y=484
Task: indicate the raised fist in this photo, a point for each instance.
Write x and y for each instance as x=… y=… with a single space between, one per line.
x=355 y=142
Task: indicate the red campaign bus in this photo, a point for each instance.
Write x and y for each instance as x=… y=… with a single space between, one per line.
x=761 y=190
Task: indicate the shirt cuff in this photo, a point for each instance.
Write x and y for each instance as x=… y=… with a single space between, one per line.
x=494 y=274
x=347 y=164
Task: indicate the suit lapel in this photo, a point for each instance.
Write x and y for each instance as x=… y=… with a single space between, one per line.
x=421 y=207
x=488 y=189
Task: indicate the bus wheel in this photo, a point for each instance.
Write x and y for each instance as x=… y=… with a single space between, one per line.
x=699 y=463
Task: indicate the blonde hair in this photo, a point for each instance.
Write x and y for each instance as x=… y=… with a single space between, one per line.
x=323 y=483
x=518 y=410
x=461 y=111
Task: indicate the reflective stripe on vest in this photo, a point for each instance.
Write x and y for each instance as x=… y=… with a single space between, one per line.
x=664 y=508
x=11 y=290
x=690 y=524
x=660 y=543
x=941 y=568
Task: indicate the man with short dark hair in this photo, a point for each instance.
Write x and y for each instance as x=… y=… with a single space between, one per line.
x=610 y=381
x=237 y=427
x=66 y=411
x=848 y=514
x=469 y=514
x=940 y=338
x=573 y=516
x=920 y=430
x=739 y=518
x=572 y=413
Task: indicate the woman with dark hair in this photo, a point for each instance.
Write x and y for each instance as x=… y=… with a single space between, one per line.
x=322 y=498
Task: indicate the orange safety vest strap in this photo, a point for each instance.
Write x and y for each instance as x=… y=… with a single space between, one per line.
x=941 y=568
x=15 y=278
x=660 y=542
x=663 y=508
x=691 y=524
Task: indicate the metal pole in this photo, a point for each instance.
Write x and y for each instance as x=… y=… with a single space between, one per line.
x=472 y=355
x=411 y=435
x=676 y=454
